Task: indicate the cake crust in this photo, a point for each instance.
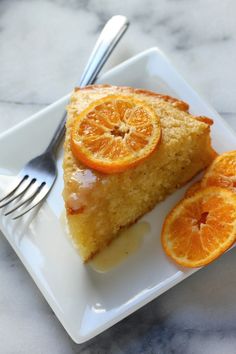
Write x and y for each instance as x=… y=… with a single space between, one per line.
x=183 y=106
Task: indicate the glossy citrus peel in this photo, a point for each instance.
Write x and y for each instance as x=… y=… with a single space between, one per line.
x=200 y=228
x=222 y=172
x=195 y=187
x=115 y=133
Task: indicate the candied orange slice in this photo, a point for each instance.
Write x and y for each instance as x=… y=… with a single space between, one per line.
x=115 y=133
x=200 y=228
x=195 y=187
x=222 y=172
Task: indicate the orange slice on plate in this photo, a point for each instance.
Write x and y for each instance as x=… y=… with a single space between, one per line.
x=195 y=187
x=200 y=228
x=115 y=133
x=222 y=172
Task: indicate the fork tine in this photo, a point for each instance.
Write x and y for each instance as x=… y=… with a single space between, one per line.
x=19 y=194
x=43 y=193
x=14 y=189
x=30 y=198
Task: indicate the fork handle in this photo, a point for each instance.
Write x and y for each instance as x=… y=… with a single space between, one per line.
x=107 y=41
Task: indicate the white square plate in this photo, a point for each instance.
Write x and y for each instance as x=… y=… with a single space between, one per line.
x=87 y=302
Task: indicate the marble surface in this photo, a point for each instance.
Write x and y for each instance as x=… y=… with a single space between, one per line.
x=43 y=49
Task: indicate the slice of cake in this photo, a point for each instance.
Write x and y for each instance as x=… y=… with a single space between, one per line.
x=99 y=204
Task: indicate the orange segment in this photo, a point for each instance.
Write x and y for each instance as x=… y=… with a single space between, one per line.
x=200 y=228
x=222 y=172
x=115 y=133
x=195 y=187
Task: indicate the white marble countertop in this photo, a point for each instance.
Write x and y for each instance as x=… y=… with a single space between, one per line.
x=43 y=48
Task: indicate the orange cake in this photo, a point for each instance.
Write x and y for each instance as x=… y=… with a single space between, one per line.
x=102 y=199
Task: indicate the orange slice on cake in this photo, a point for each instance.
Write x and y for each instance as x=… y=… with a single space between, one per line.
x=200 y=228
x=222 y=172
x=115 y=133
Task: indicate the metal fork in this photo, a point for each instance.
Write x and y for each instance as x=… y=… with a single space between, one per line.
x=37 y=177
